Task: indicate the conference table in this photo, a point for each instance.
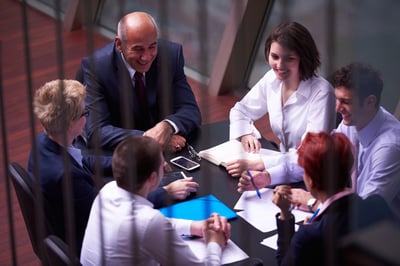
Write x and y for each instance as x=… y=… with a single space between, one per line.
x=216 y=181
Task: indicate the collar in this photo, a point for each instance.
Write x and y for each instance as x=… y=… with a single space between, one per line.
x=129 y=68
x=273 y=80
x=368 y=133
x=54 y=147
x=303 y=90
x=121 y=195
x=333 y=198
x=48 y=143
x=76 y=154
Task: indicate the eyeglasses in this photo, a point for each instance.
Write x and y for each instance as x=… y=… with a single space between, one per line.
x=193 y=153
x=85 y=113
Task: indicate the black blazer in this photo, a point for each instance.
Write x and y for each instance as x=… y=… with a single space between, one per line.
x=113 y=105
x=51 y=174
x=317 y=243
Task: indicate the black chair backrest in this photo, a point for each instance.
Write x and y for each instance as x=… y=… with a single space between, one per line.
x=58 y=252
x=37 y=228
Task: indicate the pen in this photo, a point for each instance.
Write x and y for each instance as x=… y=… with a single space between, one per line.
x=254 y=184
x=313 y=216
x=183 y=174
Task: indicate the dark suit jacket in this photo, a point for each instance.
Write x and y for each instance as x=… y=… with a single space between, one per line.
x=113 y=105
x=317 y=243
x=52 y=172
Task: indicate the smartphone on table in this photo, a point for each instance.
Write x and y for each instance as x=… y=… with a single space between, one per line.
x=185 y=163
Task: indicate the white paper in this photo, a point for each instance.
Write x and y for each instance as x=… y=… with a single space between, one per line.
x=260 y=213
x=233 y=150
x=231 y=253
x=272 y=241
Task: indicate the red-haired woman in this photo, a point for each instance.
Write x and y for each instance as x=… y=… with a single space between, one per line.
x=327 y=161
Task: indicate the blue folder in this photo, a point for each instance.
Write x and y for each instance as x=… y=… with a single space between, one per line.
x=198 y=209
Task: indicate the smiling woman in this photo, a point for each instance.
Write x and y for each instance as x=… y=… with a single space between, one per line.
x=295 y=97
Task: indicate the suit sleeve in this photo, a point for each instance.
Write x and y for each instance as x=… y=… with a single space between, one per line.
x=186 y=114
x=285 y=233
x=103 y=162
x=158 y=197
x=301 y=248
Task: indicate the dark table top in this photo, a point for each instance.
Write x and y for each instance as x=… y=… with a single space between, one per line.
x=215 y=180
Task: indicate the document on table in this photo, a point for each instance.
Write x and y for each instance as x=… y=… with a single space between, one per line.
x=272 y=240
x=260 y=213
x=233 y=150
x=198 y=209
x=231 y=253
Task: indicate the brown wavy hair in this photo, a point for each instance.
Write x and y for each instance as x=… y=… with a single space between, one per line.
x=295 y=37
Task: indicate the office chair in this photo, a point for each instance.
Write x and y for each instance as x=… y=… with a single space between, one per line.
x=23 y=185
x=58 y=253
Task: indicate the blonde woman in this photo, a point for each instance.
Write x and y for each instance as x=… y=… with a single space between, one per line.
x=59 y=106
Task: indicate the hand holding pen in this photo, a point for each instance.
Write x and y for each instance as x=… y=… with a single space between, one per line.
x=253 y=180
x=254 y=184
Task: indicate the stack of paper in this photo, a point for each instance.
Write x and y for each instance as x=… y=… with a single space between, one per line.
x=272 y=241
x=231 y=253
x=260 y=213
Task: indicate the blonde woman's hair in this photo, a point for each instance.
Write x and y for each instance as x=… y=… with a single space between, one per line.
x=57 y=103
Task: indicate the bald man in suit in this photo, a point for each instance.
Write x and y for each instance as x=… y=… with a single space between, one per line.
x=170 y=112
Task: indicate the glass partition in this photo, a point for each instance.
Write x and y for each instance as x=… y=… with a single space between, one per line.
x=362 y=31
x=49 y=4
x=197 y=25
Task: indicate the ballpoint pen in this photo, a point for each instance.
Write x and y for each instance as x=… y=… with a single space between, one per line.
x=184 y=176
x=313 y=216
x=254 y=184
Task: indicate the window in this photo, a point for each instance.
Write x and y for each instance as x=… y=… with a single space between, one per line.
x=363 y=31
x=197 y=25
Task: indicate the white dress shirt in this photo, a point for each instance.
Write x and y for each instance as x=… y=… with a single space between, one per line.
x=124 y=229
x=76 y=154
x=311 y=108
x=380 y=158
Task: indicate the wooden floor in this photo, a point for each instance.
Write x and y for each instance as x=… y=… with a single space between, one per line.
x=41 y=61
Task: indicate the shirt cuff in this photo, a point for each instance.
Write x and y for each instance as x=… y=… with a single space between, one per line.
x=175 y=129
x=284 y=169
x=182 y=226
x=214 y=253
x=280 y=174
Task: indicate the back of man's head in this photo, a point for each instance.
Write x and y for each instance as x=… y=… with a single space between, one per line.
x=134 y=160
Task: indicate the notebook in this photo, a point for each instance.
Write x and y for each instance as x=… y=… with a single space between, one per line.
x=232 y=150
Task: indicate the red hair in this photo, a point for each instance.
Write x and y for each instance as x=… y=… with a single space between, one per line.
x=327 y=159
